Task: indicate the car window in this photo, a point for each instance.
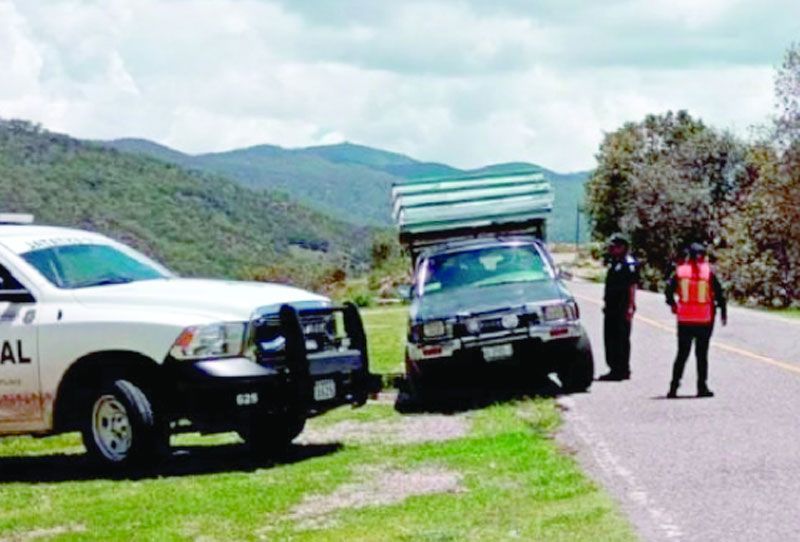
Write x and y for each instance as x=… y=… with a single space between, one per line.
x=86 y=265
x=483 y=267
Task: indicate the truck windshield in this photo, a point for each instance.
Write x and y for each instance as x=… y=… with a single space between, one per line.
x=483 y=267
x=86 y=265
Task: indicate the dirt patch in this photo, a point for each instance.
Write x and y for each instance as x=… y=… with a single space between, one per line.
x=406 y=430
x=49 y=532
x=386 y=397
x=378 y=489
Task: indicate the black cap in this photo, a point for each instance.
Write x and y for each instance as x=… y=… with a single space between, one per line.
x=696 y=249
x=618 y=239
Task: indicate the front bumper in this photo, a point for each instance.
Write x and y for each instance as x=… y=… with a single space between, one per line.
x=225 y=394
x=524 y=340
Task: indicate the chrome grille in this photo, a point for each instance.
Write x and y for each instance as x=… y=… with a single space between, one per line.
x=494 y=323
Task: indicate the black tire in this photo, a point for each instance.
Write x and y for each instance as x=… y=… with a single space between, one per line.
x=576 y=373
x=120 y=427
x=416 y=385
x=274 y=436
x=410 y=397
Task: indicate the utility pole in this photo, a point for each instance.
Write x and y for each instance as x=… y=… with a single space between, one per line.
x=577 y=227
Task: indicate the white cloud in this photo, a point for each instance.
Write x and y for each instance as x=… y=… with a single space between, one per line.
x=462 y=82
x=20 y=58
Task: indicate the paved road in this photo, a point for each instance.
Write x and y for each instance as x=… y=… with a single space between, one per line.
x=725 y=468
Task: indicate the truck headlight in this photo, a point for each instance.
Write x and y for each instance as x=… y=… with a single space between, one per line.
x=434 y=328
x=213 y=340
x=561 y=311
x=573 y=312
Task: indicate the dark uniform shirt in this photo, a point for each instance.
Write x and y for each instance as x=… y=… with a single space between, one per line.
x=622 y=274
x=719 y=293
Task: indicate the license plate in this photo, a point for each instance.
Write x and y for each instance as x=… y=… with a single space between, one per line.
x=324 y=390
x=496 y=352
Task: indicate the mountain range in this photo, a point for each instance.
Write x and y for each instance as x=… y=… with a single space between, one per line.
x=199 y=224
x=258 y=212
x=348 y=181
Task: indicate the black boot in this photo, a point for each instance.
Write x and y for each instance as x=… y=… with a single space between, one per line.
x=703 y=391
x=673 y=391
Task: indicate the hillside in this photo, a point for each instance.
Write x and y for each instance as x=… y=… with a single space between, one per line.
x=198 y=224
x=348 y=181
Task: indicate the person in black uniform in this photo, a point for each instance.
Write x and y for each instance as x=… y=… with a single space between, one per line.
x=620 y=290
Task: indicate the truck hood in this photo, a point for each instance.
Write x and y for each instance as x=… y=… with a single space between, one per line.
x=209 y=299
x=465 y=301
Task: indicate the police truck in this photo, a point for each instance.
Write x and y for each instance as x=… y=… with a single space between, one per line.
x=98 y=338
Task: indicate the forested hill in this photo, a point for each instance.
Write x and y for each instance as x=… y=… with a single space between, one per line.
x=351 y=182
x=198 y=224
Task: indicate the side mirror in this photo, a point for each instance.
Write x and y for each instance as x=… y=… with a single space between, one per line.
x=404 y=291
x=563 y=274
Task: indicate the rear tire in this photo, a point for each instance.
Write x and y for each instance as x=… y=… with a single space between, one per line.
x=120 y=427
x=577 y=372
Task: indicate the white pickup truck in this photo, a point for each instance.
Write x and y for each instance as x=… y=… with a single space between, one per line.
x=98 y=338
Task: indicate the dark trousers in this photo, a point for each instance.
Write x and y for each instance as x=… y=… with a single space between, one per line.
x=617 y=337
x=701 y=336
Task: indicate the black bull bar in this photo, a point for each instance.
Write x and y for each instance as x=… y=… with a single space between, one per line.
x=352 y=362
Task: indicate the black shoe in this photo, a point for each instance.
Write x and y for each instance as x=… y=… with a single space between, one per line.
x=613 y=377
x=673 y=392
x=705 y=392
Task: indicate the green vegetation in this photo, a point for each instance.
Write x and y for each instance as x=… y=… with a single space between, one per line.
x=665 y=181
x=198 y=224
x=498 y=476
x=670 y=180
x=386 y=330
x=351 y=182
x=792 y=313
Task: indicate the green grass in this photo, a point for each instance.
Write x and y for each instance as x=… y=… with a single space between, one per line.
x=792 y=313
x=515 y=483
x=386 y=335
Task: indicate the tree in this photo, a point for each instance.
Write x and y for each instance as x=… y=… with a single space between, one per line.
x=762 y=258
x=664 y=182
x=787 y=93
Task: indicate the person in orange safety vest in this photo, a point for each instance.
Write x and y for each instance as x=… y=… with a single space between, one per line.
x=694 y=294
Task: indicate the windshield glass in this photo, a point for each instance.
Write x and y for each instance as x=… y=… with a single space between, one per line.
x=483 y=267
x=85 y=265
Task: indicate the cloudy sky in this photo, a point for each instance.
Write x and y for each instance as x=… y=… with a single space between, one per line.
x=464 y=82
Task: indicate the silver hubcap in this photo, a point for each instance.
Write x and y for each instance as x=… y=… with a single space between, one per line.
x=111 y=428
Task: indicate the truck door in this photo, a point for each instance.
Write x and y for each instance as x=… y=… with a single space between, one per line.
x=20 y=397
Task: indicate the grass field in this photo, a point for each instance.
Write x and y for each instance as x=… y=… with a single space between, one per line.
x=792 y=313
x=368 y=474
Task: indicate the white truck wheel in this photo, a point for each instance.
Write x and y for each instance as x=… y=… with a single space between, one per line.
x=121 y=428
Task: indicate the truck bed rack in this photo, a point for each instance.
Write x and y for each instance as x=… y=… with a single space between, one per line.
x=435 y=210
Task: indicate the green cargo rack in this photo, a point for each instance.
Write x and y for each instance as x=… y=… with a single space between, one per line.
x=435 y=210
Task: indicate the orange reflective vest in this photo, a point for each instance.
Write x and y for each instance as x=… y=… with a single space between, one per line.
x=695 y=293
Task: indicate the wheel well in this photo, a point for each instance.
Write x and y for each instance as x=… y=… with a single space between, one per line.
x=87 y=374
